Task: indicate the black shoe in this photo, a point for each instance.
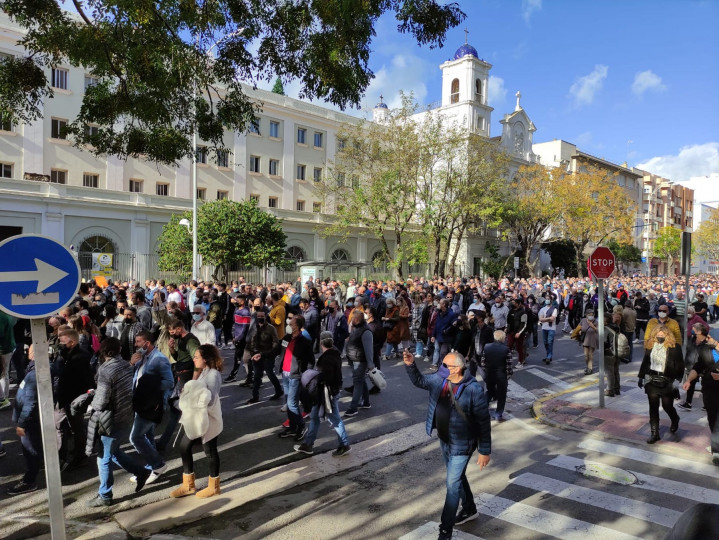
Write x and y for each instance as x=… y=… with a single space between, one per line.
x=609 y=394
x=675 y=426
x=545 y=361
x=277 y=396
x=301 y=434
x=654 y=437
x=625 y=360
x=349 y=389
x=286 y=432
x=304 y=448
x=342 y=451
x=247 y=383
x=99 y=502
x=3 y=452
x=141 y=480
x=252 y=400
x=685 y=405
x=464 y=516
x=374 y=390
x=231 y=377
x=22 y=487
x=365 y=406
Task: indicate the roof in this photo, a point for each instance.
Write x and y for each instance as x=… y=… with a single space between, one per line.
x=465 y=50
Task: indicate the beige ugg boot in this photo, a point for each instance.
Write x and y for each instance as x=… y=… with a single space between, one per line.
x=187 y=487
x=213 y=488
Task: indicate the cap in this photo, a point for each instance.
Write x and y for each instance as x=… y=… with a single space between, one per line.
x=325 y=335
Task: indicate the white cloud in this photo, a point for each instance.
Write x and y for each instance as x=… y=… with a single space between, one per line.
x=647 y=80
x=585 y=88
x=405 y=72
x=496 y=92
x=694 y=160
x=529 y=7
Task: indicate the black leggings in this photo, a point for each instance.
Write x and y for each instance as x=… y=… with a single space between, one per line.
x=210 y=449
x=667 y=401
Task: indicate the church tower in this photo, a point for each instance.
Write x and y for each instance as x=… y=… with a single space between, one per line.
x=465 y=78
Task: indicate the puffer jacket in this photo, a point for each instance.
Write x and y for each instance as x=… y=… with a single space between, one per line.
x=114 y=394
x=463 y=437
x=26 y=405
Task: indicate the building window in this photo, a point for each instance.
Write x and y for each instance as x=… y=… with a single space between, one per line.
x=480 y=123
x=59 y=78
x=454 y=92
x=255 y=127
x=58 y=177
x=90 y=81
x=255 y=164
x=90 y=180
x=316 y=207
x=355 y=180
x=5 y=170
x=340 y=179
x=5 y=121
x=57 y=128
x=300 y=206
x=201 y=154
x=136 y=186
x=301 y=135
x=221 y=195
x=341 y=143
x=275 y=129
x=92 y=131
x=274 y=167
x=162 y=189
x=318 y=140
x=255 y=197
x=223 y=158
x=201 y=194
x=317 y=174
x=478 y=90
x=272 y=202
x=301 y=172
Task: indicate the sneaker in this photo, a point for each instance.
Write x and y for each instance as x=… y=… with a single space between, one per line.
x=349 y=413
x=301 y=434
x=22 y=487
x=304 y=448
x=247 y=383
x=499 y=417
x=519 y=365
x=685 y=405
x=155 y=474
x=230 y=378
x=305 y=415
x=286 y=423
x=464 y=516
x=286 y=432
x=231 y=346
x=142 y=480
x=342 y=451
x=284 y=408
x=99 y=502
x=349 y=389
x=433 y=368
x=426 y=358
x=365 y=406
x=4 y=404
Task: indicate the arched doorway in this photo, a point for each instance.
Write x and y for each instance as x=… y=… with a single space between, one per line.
x=97 y=254
x=338 y=257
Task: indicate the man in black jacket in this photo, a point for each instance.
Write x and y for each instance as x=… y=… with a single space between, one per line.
x=261 y=343
x=329 y=364
x=496 y=359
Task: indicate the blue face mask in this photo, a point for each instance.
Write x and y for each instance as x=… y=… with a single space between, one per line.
x=142 y=351
x=196 y=316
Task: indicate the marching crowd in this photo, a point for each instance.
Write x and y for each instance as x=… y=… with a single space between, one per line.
x=124 y=357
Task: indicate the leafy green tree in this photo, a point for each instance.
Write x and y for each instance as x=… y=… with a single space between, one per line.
x=149 y=56
x=495 y=265
x=278 y=88
x=563 y=254
x=668 y=245
x=625 y=252
x=228 y=233
x=706 y=238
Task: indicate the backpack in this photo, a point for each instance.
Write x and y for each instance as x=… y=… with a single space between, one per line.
x=622 y=346
x=311 y=384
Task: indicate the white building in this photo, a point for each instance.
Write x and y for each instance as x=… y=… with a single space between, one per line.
x=109 y=205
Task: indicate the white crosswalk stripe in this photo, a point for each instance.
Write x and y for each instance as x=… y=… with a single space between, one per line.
x=559 y=383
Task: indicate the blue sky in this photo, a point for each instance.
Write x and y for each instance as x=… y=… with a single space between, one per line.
x=632 y=80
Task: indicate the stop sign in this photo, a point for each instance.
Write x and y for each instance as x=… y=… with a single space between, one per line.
x=602 y=262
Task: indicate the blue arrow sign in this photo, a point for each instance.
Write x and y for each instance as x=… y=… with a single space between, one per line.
x=38 y=276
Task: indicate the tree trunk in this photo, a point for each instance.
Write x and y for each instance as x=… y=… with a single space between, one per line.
x=455 y=251
x=398 y=248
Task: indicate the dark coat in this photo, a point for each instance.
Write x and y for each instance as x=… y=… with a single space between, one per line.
x=674 y=367
x=26 y=410
x=330 y=365
x=76 y=376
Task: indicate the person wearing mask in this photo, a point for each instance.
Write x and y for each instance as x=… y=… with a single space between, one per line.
x=590 y=343
x=499 y=313
x=312 y=318
x=516 y=328
x=144 y=313
x=241 y=325
x=278 y=314
x=663 y=363
x=663 y=320
x=533 y=317
x=261 y=343
x=694 y=349
x=216 y=316
x=329 y=364
x=112 y=415
x=628 y=327
x=130 y=328
x=483 y=334
x=458 y=409
x=359 y=351
x=336 y=324
x=295 y=351
x=152 y=384
x=111 y=325
x=405 y=313
x=462 y=342
x=201 y=328
x=496 y=361
x=391 y=323
x=548 y=319
x=443 y=333
x=642 y=307
x=379 y=336
x=202 y=421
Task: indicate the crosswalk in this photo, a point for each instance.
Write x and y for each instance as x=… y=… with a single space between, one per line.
x=601 y=491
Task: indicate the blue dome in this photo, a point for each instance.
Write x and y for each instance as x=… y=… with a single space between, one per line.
x=465 y=50
x=381 y=105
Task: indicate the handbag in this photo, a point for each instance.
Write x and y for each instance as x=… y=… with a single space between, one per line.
x=377 y=378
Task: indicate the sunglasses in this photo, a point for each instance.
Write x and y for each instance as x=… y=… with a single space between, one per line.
x=448 y=367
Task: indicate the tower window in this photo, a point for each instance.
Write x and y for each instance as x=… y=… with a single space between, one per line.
x=478 y=90
x=454 y=93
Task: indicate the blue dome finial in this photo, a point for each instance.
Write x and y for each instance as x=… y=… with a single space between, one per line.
x=465 y=49
x=381 y=104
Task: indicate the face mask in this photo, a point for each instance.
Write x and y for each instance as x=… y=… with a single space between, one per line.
x=660 y=340
x=331 y=309
x=663 y=314
x=128 y=320
x=350 y=304
x=436 y=304
x=547 y=302
x=235 y=289
x=366 y=317
x=288 y=329
x=590 y=317
x=197 y=316
x=142 y=351
x=261 y=322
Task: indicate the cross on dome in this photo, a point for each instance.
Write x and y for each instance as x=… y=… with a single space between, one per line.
x=519 y=95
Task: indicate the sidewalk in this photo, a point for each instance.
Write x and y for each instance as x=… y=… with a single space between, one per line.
x=624 y=417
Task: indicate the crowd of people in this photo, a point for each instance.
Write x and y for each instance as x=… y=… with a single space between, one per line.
x=126 y=356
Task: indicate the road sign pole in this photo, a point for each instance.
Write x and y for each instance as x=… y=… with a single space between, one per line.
x=47 y=423
x=600 y=331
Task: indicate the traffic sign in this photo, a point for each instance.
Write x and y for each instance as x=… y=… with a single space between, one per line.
x=38 y=276
x=602 y=262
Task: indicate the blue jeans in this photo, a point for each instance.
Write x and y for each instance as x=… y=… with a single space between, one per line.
x=457 y=488
x=391 y=346
x=361 y=391
x=548 y=338
x=419 y=348
x=334 y=420
x=218 y=337
x=142 y=438
x=32 y=451
x=112 y=453
x=292 y=391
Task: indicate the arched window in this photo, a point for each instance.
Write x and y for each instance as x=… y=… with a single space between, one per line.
x=454 y=93
x=90 y=259
x=379 y=261
x=296 y=254
x=478 y=90
x=338 y=257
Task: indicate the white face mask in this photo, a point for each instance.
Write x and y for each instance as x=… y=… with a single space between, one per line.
x=663 y=314
x=366 y=317
x=288 y=329
x=590 y=317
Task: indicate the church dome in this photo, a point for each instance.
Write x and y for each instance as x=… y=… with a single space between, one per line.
x=465 y=50
x=381 y=105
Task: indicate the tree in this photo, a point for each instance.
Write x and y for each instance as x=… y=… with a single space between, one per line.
x=148 y=56
x=595 y=208
x=278 y=88
x=228 y=233
x=706 y=239
x=668 y=245
x=625 y=252
x=563 y=254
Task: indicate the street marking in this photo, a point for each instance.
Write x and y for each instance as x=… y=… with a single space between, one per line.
x=429 y=531
x=541 y=521
x=534 y=429
x=599 y=499
x=647 y=482
x=653 y=458
x=519 y=393
x=547 y=377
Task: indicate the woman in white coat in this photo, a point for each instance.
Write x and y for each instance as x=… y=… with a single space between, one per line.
x=201 y=420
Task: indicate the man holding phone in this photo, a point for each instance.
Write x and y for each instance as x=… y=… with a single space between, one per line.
x=459 y=411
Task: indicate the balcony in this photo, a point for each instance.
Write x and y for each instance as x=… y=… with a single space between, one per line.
x=688 y=214
x=677 y=211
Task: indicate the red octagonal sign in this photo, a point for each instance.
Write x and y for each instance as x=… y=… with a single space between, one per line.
x=602 y=262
